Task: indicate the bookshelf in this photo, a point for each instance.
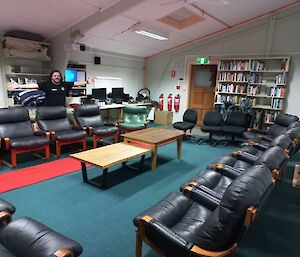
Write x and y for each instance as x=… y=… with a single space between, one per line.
x=263 y=80
x=25 y=61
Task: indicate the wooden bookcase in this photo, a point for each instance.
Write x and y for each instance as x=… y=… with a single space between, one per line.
x=263 y=80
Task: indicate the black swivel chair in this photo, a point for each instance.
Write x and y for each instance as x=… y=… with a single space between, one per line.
x=190 y=117
x=212 y=124
x=235 y=125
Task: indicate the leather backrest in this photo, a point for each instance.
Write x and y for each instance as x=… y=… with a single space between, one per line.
x=273 y=158
x=190 y=115
x=283 y=141
x=236 y=118
x=285 y=119
x=212 y=118
x=6 y=206
x=88 y=115
x=135 y=114
x=225 y=225
x=293 y=133
x=28 y=238
x=276 y=130
x=15 y=122
x=53 y=118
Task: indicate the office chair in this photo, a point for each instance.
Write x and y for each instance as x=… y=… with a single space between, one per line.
x=190 y=118
x=212 y=124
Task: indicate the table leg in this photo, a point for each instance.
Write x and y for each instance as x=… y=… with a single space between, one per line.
x=142 y=162
x=154 y=158
x=104 y=178
x=84 y=174
x=179 y=143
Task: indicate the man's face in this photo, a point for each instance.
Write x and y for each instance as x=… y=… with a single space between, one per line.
x=56 y=78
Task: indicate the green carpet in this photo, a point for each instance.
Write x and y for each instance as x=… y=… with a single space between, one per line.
x=101 y=220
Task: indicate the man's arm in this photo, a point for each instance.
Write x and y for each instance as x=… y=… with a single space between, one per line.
x=83 y=83
x=14 y=85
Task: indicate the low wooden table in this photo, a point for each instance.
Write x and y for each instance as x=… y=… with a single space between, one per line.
x=153 y=138
x=107 y=156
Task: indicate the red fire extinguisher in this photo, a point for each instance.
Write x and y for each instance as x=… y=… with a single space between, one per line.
x=176 y=103
x=161 y=102
x=170 y=102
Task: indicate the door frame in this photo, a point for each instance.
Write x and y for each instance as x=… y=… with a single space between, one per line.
x=188 y=71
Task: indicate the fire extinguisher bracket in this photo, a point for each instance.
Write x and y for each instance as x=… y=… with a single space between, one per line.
x=170 y=102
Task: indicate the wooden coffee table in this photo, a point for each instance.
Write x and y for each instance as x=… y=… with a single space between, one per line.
x=107 y=156
x=152 y=138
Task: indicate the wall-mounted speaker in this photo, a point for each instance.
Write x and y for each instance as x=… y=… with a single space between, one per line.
x=97 y=60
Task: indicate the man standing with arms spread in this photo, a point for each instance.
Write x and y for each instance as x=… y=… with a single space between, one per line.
x=56 y=90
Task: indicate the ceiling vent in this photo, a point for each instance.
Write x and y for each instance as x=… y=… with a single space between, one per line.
x=181 y=18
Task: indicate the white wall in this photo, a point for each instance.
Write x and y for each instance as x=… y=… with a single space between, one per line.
x=128 y=68
x=252 y=39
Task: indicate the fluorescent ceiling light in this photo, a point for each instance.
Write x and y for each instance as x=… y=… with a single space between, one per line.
x=145 y=30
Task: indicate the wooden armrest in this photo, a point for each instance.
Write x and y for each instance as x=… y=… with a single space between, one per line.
x=5 y=217
x=202 y=252
x=63 y=252
x=189 y=188
x=250 y=216
x=7 y=142
x=52 y=135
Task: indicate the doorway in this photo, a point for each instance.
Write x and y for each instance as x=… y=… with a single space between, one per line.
x=202 y=89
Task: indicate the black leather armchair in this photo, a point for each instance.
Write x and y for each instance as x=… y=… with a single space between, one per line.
x=282 y=123
x=274 y=158
x=202 y=224
x=27 y=237
x=54 y=119
x=190 y=118
x=89 y=118
x=17 y=134
x=212 y=124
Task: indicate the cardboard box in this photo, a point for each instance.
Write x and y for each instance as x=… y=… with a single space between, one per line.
x=163 y=117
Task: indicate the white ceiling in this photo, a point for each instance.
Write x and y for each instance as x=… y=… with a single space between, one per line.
x=106 y=24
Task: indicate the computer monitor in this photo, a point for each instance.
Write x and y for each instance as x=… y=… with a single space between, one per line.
x=117 y=93
x=99 y=93
x=70 y=75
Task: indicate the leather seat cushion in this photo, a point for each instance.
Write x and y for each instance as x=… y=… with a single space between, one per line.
x=25 y=235
x=131 y=126
x=4 y=252
x=213 y=129
x=105 y=130
x=233 y=130
x=179 y=213
x=249 y=135
x=70 y=135
x=28 y=142
x=183 y=125
x=212 y=180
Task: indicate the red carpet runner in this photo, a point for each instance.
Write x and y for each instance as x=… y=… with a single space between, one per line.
x=34 y=174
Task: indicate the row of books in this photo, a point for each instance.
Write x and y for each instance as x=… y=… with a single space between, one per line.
x=253 y=90
x=281 y=78
x=270 y=116
x=231 y=88
x=257 y=65
x=233 y=99
x=235 y=76
x=277 y=91
x=277 y=104
x=234 y=65
x=255 y=78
